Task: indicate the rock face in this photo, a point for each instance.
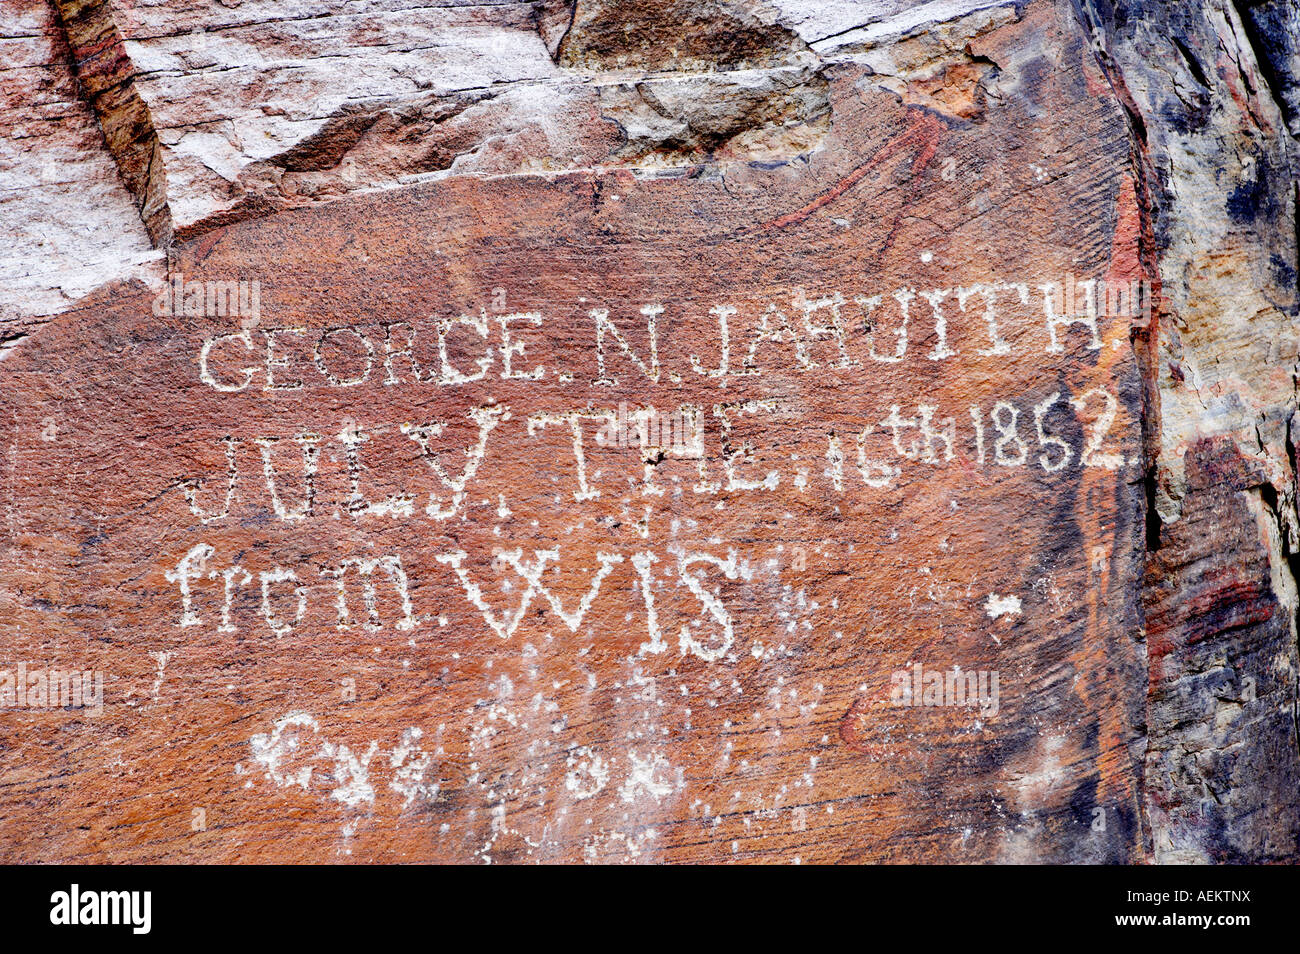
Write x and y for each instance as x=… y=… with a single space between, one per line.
x=1220 y=595
x=650 y=431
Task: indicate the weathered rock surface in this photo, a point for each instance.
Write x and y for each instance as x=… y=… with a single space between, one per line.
x=1222 y=771
x=573 y=430
x=68 y=222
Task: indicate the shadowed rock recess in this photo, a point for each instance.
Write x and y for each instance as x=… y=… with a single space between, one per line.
x=649 y=431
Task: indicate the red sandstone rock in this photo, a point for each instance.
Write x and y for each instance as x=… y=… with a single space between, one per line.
x=625 y=502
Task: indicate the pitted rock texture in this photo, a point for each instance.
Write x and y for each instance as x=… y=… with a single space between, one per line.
x=582 y=431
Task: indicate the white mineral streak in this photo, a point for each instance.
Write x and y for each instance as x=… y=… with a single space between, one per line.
x=826 y=25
